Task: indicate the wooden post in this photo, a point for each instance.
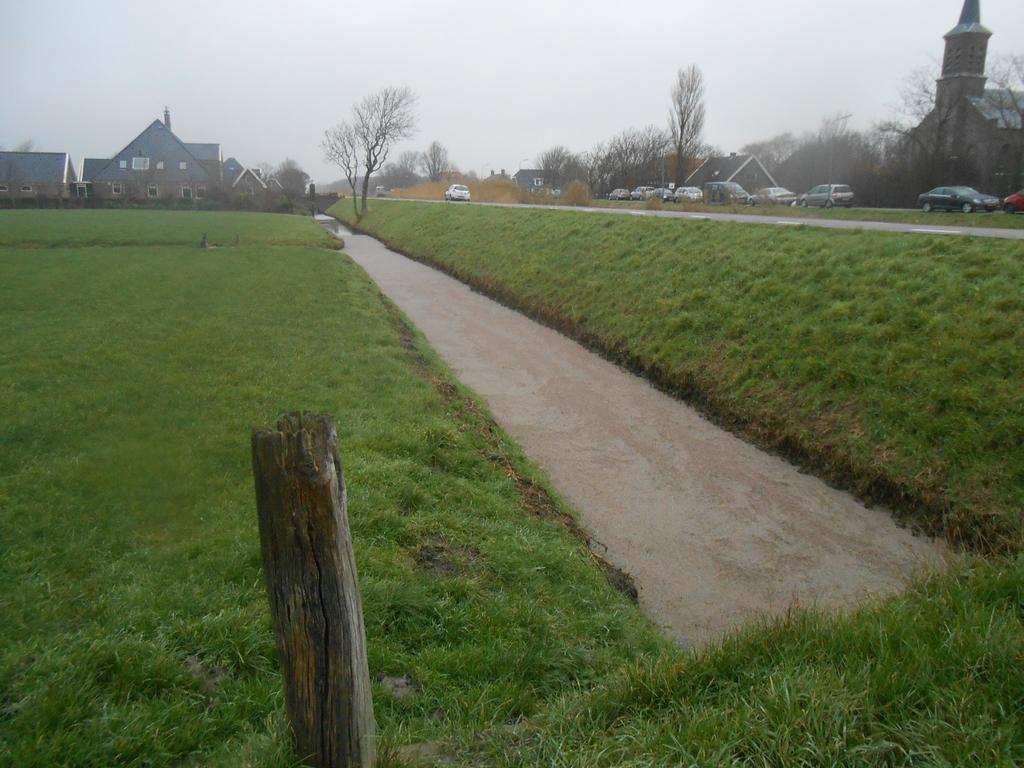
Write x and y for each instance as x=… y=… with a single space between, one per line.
x=314 y=593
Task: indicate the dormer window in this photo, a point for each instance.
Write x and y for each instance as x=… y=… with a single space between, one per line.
x=123 y=164
x=140 y=163
x=182 y=165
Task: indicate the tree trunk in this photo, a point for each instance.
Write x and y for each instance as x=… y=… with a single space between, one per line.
x=314 y=594
x=366 y=189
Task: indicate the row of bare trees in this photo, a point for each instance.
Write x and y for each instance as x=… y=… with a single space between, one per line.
x=649 y=155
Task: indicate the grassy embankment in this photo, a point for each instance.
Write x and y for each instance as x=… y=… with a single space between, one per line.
x=497 y=191
x=892 y=364
x=135 y=627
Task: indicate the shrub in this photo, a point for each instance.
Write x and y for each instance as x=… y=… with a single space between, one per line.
x=577 y=193
x=653 y=204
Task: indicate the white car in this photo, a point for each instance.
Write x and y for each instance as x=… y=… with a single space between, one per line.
x=688 y=194
x=457 y=192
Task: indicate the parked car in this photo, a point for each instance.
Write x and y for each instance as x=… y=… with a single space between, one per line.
x=1014 y=203
x=381 y=191
x=663 y=193
x=641 y=193
x=827 y=196
x=457 y=192
x=688 y=195
x=725 y=192
x=965 y=199
x=619 y=194
x=773 y=196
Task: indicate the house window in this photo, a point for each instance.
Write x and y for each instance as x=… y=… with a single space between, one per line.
x=123 y=164
x=538 y=182
x=152 y=191
x=3 y=187
x=186 y=192
x=26 y=187
x=159 y=165
x=200 y=191
x=116 y=189
x=182 y=165
x=140 y=163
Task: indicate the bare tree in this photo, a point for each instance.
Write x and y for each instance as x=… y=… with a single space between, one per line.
x=26 y=146
x=686 y=118
x=378 y=121
x=402 y=172
x=342 y=148
x=1007 y=74
x=774 y=151
x=436 y=162
x=292 y=178
x=557 y=164
x=636 y=156
x=266 y=170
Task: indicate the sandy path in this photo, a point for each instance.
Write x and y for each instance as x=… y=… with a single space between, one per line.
x=713 y=530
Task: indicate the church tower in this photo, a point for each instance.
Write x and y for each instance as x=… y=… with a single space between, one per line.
x=963 y=66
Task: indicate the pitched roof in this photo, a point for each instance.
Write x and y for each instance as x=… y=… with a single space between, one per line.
x=725 y=169
x=38 y=167
x=203 y=151
x=1002 y=105
x=93 y=165
x=159 y=141
x=970 y=20
x=232 y=169
x=249 y=172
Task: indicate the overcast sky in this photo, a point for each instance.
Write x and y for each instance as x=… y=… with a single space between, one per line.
x=498 y=82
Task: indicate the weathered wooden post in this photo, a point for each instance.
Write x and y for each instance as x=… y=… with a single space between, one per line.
x=314 y=593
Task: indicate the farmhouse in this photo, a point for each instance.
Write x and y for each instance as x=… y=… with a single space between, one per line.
x=36 y=175
x=530 y=179
x=155 y=165
x=745 y=170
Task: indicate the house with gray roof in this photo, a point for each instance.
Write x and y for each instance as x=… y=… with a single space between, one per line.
x=746 y=170
x=35 y=176
x=156 y=165
x=530 y=179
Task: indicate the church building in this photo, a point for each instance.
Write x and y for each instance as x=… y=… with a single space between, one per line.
x=974 y=134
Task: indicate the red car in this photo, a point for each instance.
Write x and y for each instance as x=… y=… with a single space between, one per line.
x=1014 y=203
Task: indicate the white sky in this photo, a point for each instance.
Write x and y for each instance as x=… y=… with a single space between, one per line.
x=498 y=82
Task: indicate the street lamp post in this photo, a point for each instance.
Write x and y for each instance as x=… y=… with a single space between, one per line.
x=833 y=129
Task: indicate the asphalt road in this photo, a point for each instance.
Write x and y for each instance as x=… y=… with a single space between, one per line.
x=780 y=221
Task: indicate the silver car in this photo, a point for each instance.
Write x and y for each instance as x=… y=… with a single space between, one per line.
x=688 y=195
x=828 y=196
x=619 y=194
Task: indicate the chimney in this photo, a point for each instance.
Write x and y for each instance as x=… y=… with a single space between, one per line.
x=167 y=118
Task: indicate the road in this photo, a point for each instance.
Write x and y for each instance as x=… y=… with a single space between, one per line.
x=714 y=531
x=773 y=221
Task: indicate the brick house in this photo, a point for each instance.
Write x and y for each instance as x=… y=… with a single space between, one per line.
x=36 y=176
x=155 y=165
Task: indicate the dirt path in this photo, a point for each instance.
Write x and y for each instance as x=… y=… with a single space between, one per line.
x=714 y=531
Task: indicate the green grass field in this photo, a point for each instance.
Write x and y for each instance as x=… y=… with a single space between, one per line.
x=136 y=629
x=40 y=228
x=890 y=363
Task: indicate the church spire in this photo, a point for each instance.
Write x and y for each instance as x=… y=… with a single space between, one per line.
x=971 y=14
x=963 y=66
x=970 y=20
